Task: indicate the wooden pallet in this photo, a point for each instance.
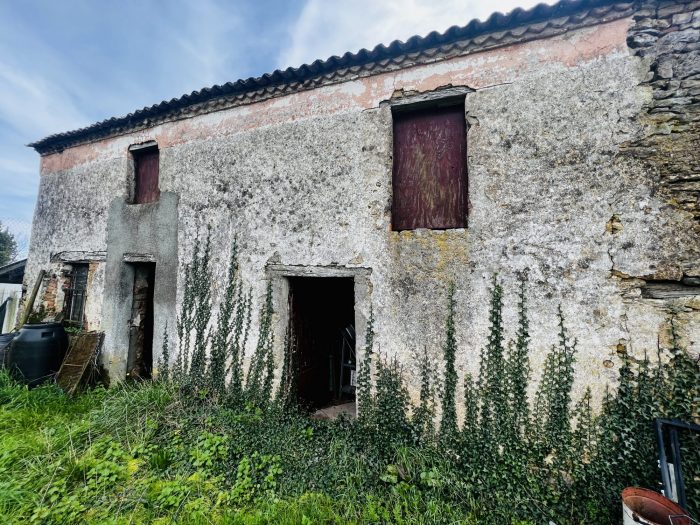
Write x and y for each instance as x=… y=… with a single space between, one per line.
x=82 y=352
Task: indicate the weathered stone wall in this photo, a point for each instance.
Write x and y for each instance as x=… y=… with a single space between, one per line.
x=135 y=234
x=667 y=34
x=70 y=226
x=555 y=193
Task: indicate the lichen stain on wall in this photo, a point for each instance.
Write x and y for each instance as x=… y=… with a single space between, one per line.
x=430 y=254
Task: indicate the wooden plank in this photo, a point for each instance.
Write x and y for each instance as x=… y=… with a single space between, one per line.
x=147 y=166
x=29 y=306
x=289 y=270
x=430 y=170
x=83 y=350
x=439 y=97
x=73 y=257
x=669 y=290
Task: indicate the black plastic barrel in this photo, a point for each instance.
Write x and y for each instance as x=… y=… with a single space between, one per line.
x=5 y=340
x=37 y=352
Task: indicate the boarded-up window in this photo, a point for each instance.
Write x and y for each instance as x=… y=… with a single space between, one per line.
x=430 y=174
x=146 y=175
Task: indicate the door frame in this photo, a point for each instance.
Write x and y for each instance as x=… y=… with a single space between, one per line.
x=279 y=275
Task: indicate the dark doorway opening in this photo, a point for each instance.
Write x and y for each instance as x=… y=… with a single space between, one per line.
x=322 y=317
x=140 y=360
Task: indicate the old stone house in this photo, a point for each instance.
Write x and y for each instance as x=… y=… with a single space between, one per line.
x=560 y=143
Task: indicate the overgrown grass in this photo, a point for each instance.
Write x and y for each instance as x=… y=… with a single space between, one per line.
x=203 y=446
x=140 y=454
x=154 y=453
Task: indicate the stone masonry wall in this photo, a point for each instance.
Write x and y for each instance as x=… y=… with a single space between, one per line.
x=665 y=35
x=668 y=35
x=566 y=186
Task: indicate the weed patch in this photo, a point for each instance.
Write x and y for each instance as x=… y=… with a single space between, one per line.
x=200 y=445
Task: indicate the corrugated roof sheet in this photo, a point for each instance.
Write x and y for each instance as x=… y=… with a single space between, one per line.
x=306 y=72
x=13 y=273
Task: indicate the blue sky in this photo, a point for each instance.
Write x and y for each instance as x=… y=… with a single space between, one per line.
x=66 y=64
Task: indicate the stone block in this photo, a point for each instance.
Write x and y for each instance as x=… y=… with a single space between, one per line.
x=678 y=101
x=671 y=9
x=676 y=39
x=687 y=66
x=682 y=18
x=652 y=24
x=644 y=23
x=664 y=68
x=641 y=40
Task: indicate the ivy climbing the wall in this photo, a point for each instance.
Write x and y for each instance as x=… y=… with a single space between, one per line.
x=213 y=441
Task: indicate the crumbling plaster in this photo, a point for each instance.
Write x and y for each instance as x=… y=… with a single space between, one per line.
x=138 y=233
x=306 y=180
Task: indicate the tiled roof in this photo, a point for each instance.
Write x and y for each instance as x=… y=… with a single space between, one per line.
x=498 y=29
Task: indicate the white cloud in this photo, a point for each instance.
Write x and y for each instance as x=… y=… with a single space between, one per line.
x=332 y=28
x=18 y=166
x=207 y=42
x=33 y=105
x=21 y=230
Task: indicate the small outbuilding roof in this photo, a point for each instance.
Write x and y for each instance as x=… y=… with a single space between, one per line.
x=14 y=272
x=498 y=26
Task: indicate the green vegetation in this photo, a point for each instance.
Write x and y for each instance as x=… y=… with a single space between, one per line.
x=8 y=246
x=202 y=446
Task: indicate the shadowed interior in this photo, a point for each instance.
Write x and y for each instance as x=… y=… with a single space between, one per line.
x=322 y=312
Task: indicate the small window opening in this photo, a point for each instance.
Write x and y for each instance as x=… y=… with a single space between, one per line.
x=146 y=173
x=430 y=168
x=322 y=317
x=75 y=295
x=140 y=359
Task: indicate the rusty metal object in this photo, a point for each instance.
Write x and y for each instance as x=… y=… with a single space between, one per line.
x=651 y=508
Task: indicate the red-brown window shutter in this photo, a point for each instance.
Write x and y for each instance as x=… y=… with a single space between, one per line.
x=146 y=176
x=430 y=169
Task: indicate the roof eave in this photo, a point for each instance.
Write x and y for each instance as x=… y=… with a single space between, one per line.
x=145 y=117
